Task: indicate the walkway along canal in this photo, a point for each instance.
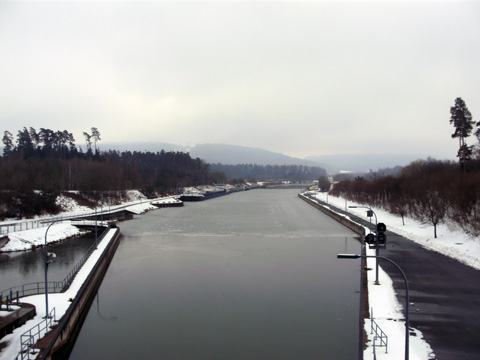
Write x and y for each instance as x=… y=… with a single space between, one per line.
x=67 y=307
x=251 y=275
x=444 y=295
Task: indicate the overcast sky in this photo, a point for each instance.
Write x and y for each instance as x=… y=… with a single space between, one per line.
x=300 y=78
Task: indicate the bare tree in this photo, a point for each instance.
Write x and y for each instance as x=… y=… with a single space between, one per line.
x=431 y=208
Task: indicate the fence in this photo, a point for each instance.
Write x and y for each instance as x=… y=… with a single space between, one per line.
x=21 y=225
x=379 y=335
x=30 y=337
x=16 y=292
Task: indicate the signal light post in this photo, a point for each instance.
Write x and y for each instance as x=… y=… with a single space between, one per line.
x=375 y=241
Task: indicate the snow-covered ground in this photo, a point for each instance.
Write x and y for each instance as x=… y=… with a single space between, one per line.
x=26 y=239
x=387 y=310
x=451 y=242
x=11 y=343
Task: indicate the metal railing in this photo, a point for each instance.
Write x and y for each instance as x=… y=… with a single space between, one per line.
x=30 y=337
x=20 y=225
x=36 y=288
x=17 y=292
x=379 y=335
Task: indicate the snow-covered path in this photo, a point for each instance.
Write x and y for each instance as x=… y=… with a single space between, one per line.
x=10 y=344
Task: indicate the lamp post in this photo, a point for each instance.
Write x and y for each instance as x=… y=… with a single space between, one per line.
x=96 y=236
x=110 y=197
x=407 y=320
x=46 y=266
x=176 y=188
x=366 y=207
x=345 y=196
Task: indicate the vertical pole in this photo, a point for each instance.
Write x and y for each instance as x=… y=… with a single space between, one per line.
x=96 y=237
x=46 y=274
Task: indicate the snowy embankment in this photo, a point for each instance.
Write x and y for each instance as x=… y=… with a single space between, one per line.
x=451 y=242
x=387 y=310
x=10 y=344
x=28 y=239
x=389 y=317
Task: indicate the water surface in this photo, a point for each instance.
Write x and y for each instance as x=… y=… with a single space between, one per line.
x=24 y=267
x=248 y=275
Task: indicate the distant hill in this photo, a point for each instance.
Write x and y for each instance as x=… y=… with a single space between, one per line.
x=216 y=153
x=363 y=162
x=234 y=154
x=142 y=146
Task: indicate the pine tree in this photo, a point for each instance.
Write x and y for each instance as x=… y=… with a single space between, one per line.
x=461 y=119
x=96 y=137
x=7 y=143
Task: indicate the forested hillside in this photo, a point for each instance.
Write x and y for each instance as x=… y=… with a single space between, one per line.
x=38 y=165
x=431 y=191
x=270 y=172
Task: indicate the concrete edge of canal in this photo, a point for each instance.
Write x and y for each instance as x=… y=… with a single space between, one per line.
x=364 y=312
x=61 y=339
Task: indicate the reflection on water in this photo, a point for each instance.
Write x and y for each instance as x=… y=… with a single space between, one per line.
x=22 y=267
x=249 y=275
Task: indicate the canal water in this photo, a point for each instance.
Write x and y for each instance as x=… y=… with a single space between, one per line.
x=24 y=267
x=249 y=275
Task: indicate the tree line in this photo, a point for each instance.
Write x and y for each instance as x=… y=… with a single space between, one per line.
x=431 y=191
x=47 y=143
x=255 y=172
x=37 y=165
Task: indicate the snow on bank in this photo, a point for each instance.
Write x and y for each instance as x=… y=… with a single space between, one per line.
x=450 y=242
x=71 y=208
x=387 y=311
x=10 y=344
x=141 y=208
x=28 y=239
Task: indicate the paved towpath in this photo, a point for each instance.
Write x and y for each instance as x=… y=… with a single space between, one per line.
x=444 y=295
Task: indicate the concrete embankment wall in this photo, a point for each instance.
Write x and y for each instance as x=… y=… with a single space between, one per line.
x=65 y=334
x=357 y=228
x=364 y=307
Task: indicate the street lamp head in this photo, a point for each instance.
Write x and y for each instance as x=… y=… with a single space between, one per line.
x=348 y=256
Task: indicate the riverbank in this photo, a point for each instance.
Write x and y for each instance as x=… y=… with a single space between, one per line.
x=135 y=203
x=10 y=345
x=387 y=310
x=443 y=278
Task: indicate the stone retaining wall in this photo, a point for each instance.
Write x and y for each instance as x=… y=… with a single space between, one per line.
x=63 y=336
x=359 y=229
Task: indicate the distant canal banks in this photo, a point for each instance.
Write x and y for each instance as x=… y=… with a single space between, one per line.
x=276 y=253
x=248 y=275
